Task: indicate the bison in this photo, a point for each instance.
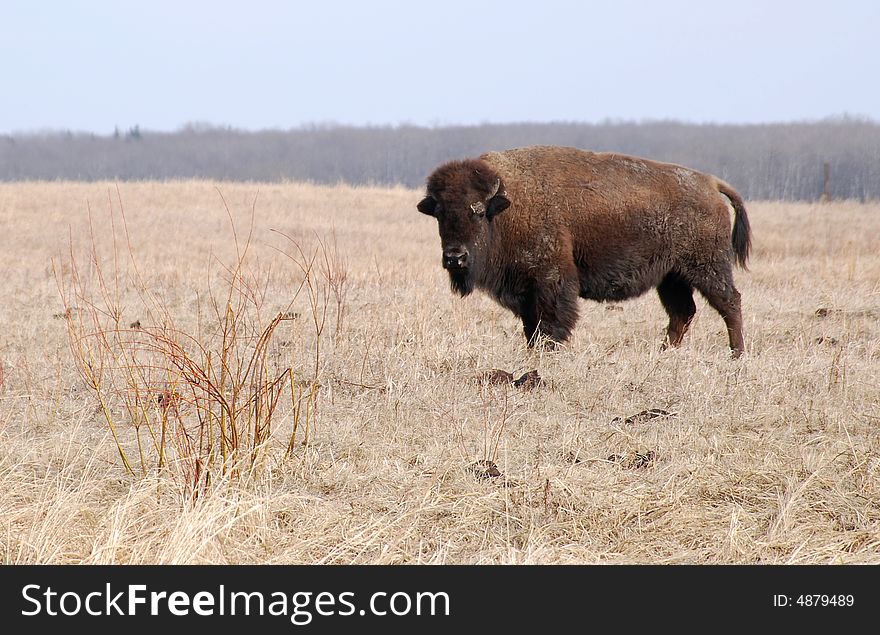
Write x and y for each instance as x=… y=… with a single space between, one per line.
x=539 y=227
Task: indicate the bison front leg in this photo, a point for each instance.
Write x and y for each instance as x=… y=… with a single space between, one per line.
x=529 y=314
x=549 y=313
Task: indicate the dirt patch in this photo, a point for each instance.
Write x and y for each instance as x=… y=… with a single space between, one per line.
x=643 y=416
x=497 y=377
x=484 y=470
x=635 y=460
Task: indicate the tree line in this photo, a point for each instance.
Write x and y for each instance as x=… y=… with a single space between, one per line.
x=783 y=161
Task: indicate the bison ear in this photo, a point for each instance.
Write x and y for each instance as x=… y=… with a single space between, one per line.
x=427 y=205
x=497 y=204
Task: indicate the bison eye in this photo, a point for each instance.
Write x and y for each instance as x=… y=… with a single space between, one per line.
x=478 y=209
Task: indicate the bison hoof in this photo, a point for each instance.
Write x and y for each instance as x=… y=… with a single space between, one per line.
x=543 y=343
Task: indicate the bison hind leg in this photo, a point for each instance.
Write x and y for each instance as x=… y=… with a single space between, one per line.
x=729 y=305
x=677 y=297
x=722 y=295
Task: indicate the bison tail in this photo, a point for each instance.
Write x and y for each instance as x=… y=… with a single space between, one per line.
x=742 y=231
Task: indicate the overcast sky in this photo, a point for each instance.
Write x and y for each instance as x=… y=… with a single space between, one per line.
x=257 y=64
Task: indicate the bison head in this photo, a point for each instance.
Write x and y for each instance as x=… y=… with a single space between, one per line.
x=464 y=197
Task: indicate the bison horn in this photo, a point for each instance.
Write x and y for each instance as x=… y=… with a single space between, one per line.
x=495 y=188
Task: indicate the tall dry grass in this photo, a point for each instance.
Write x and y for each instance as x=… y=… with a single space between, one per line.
x=771 y=459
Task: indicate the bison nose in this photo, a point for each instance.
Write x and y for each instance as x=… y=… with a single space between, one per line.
x=455 y=259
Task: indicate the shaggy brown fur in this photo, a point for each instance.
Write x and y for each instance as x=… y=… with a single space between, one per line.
x=601 y=226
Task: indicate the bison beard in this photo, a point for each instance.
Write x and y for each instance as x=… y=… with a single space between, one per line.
x=462 y=282
x=598 y=226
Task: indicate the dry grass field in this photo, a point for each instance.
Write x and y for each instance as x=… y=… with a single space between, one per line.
x=773 y=458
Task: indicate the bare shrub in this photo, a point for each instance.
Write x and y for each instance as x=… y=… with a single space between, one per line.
x=203 y=402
